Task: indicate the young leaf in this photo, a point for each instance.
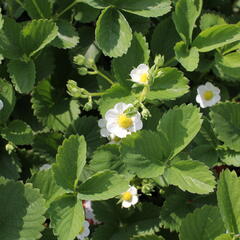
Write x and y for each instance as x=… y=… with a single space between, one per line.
x=229 y=200
x=70 y=161
x=216 y=36
x=189 y=58
x=7 y=95
x=185 y=16
x=203 y=224
x=190 y=175
x=18 y=132
x=225 y=118
x=21 y=210
x=113 y=33
x=169 y=85
x=180 y=124
x=103 y=185
x=67 y=216
x=23 y=75
x=137 y=53
x=145 y=153
x=36 y=35
x=209 y=20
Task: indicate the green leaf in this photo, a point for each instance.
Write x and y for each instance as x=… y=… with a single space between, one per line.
x=189 y=58
x=113 y=33
x=21 y=211
x=96 y=3
x=229 y=200
x=45 y=181
x=224 y=237
x=170 y=85
x=225 y=118
x=229 y=157
x=18 y=132
x=7 y=95
x=67 y=36
x=189 y=175
x=203 y=224
x=137 y=53
x=103 y=185
x=147 y=237
x=180 y=124
x=23 y=75
x=36 y=35
x=67 y=216
x=114 y=95
x=166 y=34
x=217 y=36
x=70 y=160
x=52 y=109
x=38 y=8
x=228 y=67
x=209 y=20
x=8 y=166
x=145 y=153
x=185 y=16
x=85 y=13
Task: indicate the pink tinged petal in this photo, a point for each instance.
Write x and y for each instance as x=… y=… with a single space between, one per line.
x=134 y=200
x=132 y=190
x=102 y=123
x=126 y=204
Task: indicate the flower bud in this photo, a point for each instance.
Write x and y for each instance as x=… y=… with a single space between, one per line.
x=83 y=71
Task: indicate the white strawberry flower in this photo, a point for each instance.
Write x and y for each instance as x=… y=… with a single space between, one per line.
x=119 y=124
x=208 y=95
x=1 y=105
x=84 y=231
x=140 y=74
x=130 y=197
x=89 y=214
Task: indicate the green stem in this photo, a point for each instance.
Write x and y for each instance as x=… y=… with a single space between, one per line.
x=96 y=94
x=105 y=77
x=38 y=9
x=20 y=3
x=143 y=93
x=66 y=9
x=170 y=61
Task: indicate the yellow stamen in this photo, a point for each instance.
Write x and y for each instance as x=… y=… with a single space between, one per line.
x=144 y=78
x=208 y=95
x=127 y=196
x=124 y=121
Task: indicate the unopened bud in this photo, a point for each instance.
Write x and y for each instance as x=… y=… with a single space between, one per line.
x=79 y=59
x=83 y=71
x=9 y=147
x=159 y=60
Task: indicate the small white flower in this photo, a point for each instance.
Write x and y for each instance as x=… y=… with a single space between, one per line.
x=1 y=105
x=129 y=197
x=45 y=167
x=119 y=124
x=140 y=74
x=84 y=231
x=208 y=95
x=89 y=214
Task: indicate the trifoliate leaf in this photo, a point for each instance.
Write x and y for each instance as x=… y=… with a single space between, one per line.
x=225 y=118
x=36 y=35
x=229 y=200
x=169 y=85
x=164 y=30
x=203 y=224
x=70 y=160
x=227 y=67
x=216 y=36
x=38 y=8
x=145 y=153
x=137 y=53
x=23 y=75
x=21 y=210
x=115 y=94
x=180 y=124
x=18 y=132
x=67 y=216
x=67 y=36
x=189 y=175
x=52 y=109
x=189 y=58
x=185 y=16
x=103 y=185
x=45 y=181
x=7 y=96
x=209 y=20
x=113 y=33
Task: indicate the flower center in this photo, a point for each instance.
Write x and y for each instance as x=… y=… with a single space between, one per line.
x=144 y=78
x=124 y=121
x=127 y=196
x=208 y=95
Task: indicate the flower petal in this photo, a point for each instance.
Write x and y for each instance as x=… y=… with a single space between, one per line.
x=126 y=204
